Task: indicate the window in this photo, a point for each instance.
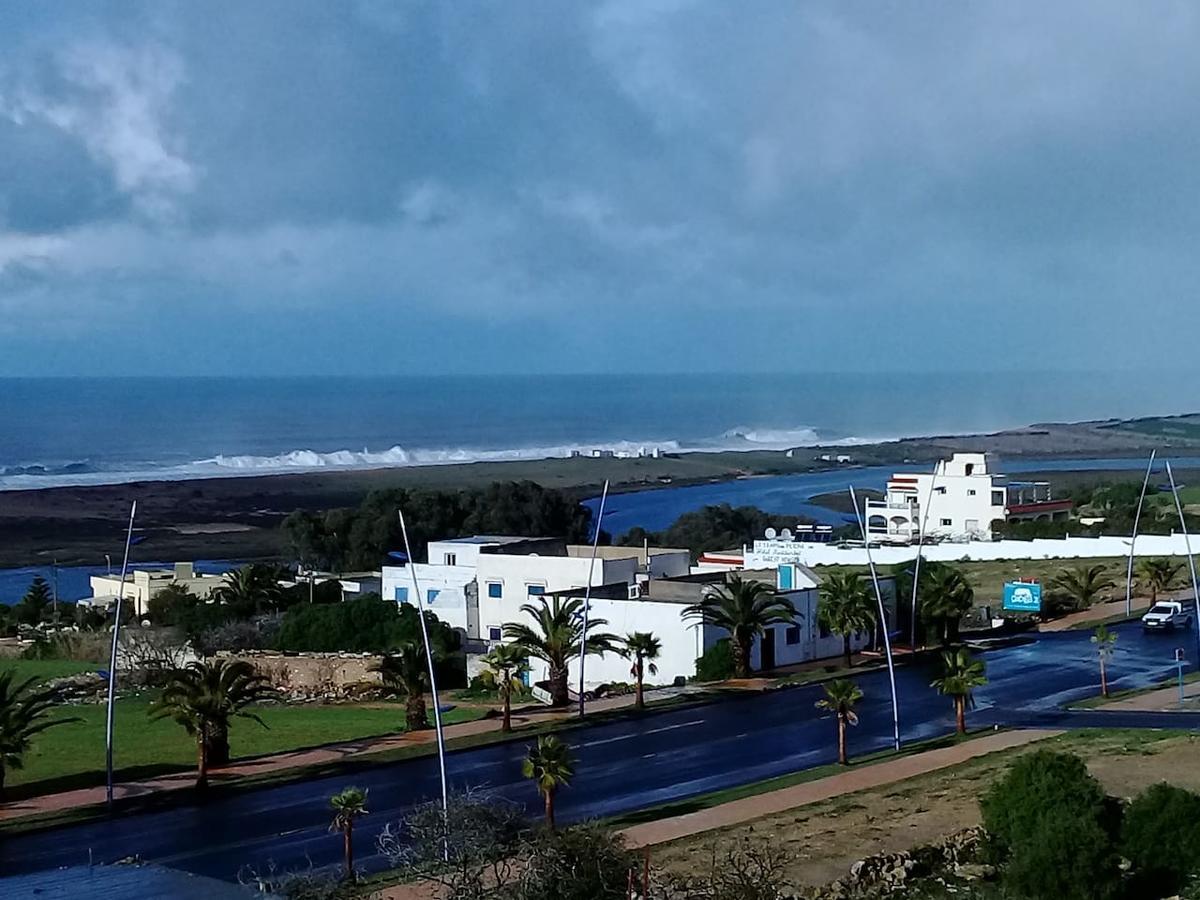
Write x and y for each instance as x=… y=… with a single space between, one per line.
x=535 y=590
x=997 y=498
x=431 y=595
x=493 y=634
x=823 y=629
x=792 y=635
x=940 y=490
x=401 y=595
x=495 y=590
x=946 y=523
x=451 y=559
x=970 y=492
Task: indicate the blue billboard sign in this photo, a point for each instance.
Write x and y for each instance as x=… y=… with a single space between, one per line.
x=1022 y=596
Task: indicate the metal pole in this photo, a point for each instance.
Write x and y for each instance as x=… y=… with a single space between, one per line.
x=437 y=711
x=887 y=643
x=1187 y=546
x=112 y=668
x=587 y=591
x=1137 y=517
x=917 y=566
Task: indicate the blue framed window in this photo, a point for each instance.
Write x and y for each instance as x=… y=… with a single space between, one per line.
x=535 y=590
x=495 y=590
x=401 y=595
x=431 y=595
x=493 y=634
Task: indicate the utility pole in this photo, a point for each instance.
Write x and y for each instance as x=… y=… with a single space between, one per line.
x=112 y=668
x=587 y=592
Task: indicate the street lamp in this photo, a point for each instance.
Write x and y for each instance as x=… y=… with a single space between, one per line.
x=1137 y=516
x=112 y=668
x=587 y=593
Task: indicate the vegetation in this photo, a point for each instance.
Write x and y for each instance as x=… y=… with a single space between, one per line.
x=348 y=805
x=960 y=675
x=204 y=697
x=550 y=766
x=509 y=662
x=251 y=588
x=721 y=527
x=945 y=596
x=845 y=608
x=841 y=696
x=1078 y=588
x=643 y=648
x=344 y=539
x=745 y=608
x=1158 y=576
x=1106 y=643
x=33 y=606
x=1160 y=835
x=716 y=663
x=556 y=638
x=405 y=673
x=24 y=714
x=1054 y=828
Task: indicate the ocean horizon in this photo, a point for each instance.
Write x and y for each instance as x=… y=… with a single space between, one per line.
x=72 y=431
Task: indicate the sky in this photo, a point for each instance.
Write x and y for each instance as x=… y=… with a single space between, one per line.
x=655 y=185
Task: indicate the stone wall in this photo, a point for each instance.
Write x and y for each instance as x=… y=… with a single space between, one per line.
x=316 y=675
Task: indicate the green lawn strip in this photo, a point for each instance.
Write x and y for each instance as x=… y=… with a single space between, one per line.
x=71 y=756
x=1118 y=619
x=347 y=767
x=46 y=669
x=1099 y=701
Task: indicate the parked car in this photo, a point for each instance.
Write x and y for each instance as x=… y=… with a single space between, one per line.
x=1167 y=616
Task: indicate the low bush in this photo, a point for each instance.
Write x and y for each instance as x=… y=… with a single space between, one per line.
x=1161 y=838
x=717 y=662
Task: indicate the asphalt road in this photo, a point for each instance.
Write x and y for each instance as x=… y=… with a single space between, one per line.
x=622 y=766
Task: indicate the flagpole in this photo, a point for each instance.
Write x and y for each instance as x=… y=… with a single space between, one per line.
x=1137 y=517
x=437 y=709
x=587 y=592
x=917 y=567
x=112 y=667
x=887 y=643
x=1187 y=546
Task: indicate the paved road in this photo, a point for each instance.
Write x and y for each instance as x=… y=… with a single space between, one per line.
x=624 y=765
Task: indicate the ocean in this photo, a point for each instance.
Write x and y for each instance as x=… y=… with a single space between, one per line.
x=105 y=430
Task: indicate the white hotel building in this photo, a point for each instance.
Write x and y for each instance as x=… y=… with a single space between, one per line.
x=959 y=500
x=479 y=584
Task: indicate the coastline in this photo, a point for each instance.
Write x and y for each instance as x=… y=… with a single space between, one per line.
x=238 y=516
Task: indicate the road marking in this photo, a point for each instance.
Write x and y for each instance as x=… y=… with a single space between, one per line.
x=629 y=737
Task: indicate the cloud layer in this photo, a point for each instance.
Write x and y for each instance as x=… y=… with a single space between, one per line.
x=654 y=185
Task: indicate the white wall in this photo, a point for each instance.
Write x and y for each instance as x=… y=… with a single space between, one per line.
x=450 y=582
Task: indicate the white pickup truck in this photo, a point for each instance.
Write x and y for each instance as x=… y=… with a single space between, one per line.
x=1167 y=616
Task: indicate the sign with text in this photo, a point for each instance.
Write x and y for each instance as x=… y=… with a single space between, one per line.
x=1021 y=596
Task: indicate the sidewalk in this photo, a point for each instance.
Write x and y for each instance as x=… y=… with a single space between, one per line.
x=738 y=812
x=262 y=765
x=1112 y=608
x=1162 y=700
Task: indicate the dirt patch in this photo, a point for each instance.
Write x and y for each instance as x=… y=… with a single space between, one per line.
x=824 y=839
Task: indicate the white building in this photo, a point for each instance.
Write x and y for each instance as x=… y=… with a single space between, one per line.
x=480 y=584
x=143 y=584
x=959 y=501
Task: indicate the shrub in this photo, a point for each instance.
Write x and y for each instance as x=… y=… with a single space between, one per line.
x=1052 y=823
x=717 y=662
x=1160 y=836
x=586 y=862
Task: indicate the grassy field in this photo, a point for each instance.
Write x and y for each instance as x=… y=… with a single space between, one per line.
x=72 y=755
x=46 y=669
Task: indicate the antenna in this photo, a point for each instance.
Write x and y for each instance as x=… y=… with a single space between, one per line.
x=771 y=533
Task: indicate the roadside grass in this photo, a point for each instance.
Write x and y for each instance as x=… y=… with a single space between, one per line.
x=46 y=669
x=71 y=756
x=1099 y=701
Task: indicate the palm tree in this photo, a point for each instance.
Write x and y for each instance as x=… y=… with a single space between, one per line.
x=845 y=608
x=405 y=673
x=348 y=804
x=961 y=674
x=550 y=766
x=1105 y=642
x=1082 y=586
x=745 y=609
x=24 y=713
x=643 y=648
x=250 y=588
x=509 y=662
x=204 y=697
x=559 y=628
x=1159 y=575
x=945 y=599
x=840 y=697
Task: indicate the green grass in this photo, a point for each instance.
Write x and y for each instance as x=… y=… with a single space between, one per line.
x=72 y=755
x=46 y=669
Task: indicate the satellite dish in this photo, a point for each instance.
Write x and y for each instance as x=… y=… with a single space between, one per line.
x=786 y=534
x=770 y=534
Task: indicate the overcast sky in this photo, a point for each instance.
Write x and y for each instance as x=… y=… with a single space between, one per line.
x=653 y=185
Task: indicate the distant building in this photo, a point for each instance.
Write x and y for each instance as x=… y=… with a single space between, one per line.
x=141 y=585
x=960 y=500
